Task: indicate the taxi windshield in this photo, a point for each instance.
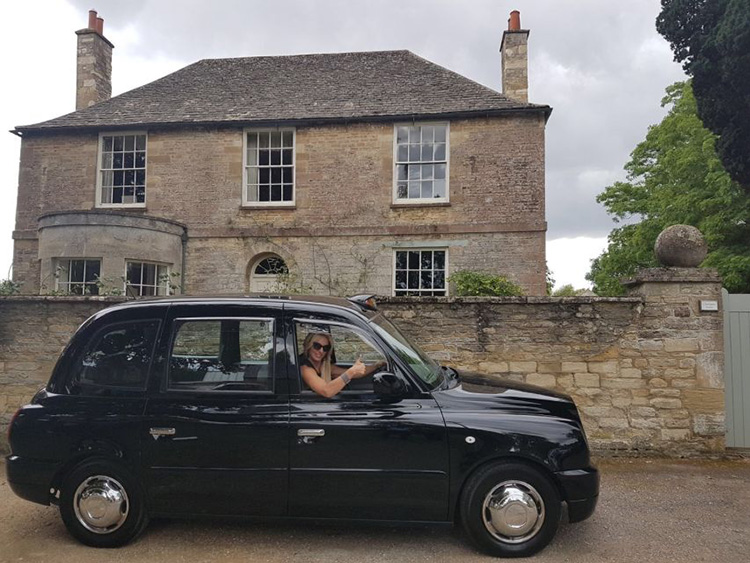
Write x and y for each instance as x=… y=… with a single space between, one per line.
x=421 y=364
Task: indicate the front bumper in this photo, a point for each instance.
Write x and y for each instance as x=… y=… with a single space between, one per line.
x=30 y=480
x=580 y=490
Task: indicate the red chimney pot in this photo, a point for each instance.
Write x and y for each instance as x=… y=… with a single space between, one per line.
x=92 y=19
x=100 y=26
x=514 y=23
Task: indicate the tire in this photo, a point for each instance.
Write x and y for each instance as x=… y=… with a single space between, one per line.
x=102 y=505
x=526 y=509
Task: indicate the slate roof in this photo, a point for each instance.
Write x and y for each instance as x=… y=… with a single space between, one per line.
x=320 y=88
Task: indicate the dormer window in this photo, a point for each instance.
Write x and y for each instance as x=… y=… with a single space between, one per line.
x=122 y=170
x=421 y=163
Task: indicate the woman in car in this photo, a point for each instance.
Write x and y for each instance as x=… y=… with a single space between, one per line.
x=320 y=373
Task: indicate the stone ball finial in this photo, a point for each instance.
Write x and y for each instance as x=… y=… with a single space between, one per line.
x=680 y=246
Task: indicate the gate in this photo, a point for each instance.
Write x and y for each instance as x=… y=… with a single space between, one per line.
x=737 y=368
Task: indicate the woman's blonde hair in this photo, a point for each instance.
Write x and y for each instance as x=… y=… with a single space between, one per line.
x=325 y=365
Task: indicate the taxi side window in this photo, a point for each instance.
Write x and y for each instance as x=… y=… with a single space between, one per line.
x=348 y=346
x=222 y=355
x=118 y=358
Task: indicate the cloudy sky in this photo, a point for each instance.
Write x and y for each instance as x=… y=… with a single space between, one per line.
x=599 y=63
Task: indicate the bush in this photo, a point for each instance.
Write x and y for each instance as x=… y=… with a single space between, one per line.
x=9 y=287
x=472 y=284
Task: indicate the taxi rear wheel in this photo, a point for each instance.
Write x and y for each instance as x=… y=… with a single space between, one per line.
x=102 y=505
x=510 y=509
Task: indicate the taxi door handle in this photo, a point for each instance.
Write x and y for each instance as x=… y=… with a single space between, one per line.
x=311 y=432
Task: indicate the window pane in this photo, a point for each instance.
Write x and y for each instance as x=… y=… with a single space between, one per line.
x=287 y=156
x=288 y=139
x=226 y=355
x=275 y=157
x=140 y=160
x=252 y=142
x=426 y=260
x=288 y=193
x=118 y=358
x=426 y=153
x=108 y=178
x=107 y=144
x=403 y=153
x=426 y=280
x=439 y=259
x=140 y=142
x=91 y=270
x=427 y=171
x=129 y=143
x=413 y=280
x=265 y=175
x=75 y=270
x=428 y=133
x=133 y=273
x=401 y=171
x=264 y=192
x=402 y=135
x=252 y=176
x=414 y=152
x=275 y=139
x=440 y=171
x=438 y=188
x=117 y=143
x=117 y=160
x=276 y=192
x=263 y=138
x=401 y=279
x=414 y=172
x=414 y=259
x=440 y=133
x=252 y=157
x=401 y=190
x=414 y=189
x=107 y=160
x=440 y=152
x=438 y=279
x=401 y=260
x=149 y=274
x=276 y=175
x=286 y=175
x=414 y=135
x=426 y=189
x=264 y=157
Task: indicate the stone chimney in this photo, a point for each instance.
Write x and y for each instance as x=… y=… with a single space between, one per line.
x=514 y=59
x=94 y=73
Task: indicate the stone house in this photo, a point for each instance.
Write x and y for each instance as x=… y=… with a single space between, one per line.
x=373 y=171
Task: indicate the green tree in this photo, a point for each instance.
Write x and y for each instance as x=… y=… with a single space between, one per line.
x=711 y=38
x=675 y=177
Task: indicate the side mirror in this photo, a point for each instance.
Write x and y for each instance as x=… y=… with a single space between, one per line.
x=389 y=386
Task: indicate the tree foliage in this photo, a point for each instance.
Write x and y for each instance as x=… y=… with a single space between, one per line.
x=711 y=38
x=675 y=177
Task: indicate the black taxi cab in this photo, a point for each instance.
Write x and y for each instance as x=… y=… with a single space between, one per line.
x=195 y=406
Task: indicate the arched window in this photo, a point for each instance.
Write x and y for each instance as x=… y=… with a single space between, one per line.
x=264 y=275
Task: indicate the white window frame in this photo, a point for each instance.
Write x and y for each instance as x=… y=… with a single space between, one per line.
x=57 y=263
x=249 y=203
x=99 y=186
x=420 y=200
x=421 y=249
x=157 y=265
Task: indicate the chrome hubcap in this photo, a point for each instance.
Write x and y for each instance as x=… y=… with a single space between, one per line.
x=513 y=512
x=101 y=504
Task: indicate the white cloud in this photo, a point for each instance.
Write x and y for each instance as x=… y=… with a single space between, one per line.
x=569 y=259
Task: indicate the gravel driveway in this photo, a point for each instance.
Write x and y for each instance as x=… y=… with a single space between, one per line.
x=649 y=510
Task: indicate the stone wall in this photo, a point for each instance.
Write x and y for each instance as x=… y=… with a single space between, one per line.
x=646 y=371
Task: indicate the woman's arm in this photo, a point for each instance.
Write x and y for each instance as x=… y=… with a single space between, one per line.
x=334 y=387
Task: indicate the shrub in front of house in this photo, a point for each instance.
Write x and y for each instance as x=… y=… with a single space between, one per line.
x=474 y=284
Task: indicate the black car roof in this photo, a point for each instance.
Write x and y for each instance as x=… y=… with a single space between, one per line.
x=340 y=302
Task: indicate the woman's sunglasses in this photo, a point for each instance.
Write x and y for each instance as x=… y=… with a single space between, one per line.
x=319 y=346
